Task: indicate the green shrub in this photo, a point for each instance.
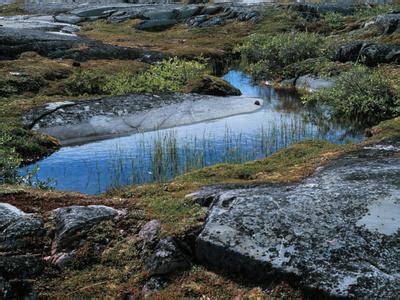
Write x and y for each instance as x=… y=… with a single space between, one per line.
x=361 y=95
x=168 y=76
x=85 y=82
x=266 y=55
x=334 y=20
x=9 y=160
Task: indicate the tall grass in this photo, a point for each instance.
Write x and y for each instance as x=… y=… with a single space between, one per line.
x=166 y=154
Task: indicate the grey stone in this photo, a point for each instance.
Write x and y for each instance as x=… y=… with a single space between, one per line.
x=67 y=18
x=167 y=259
x=371 y=53
x=150 y=232
x=390 y=22
x=9 y=213
x=71 y=222
x=19 y=231
x=336 y=232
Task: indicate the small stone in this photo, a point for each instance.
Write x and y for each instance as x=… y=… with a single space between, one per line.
x=150 y=232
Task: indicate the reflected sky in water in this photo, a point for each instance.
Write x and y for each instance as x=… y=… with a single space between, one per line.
x=95 y=167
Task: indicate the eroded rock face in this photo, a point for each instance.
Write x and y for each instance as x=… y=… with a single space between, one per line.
x=71 y=223
x=337 y=232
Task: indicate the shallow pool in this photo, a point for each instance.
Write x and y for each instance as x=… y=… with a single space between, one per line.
x=163 y=154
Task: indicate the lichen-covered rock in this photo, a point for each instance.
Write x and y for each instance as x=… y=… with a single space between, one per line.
x=371 y=53
x=390 y=22
x=72 y=222
x=167 y=258
x=19 y=231
x=150 y=232
x=336 y=232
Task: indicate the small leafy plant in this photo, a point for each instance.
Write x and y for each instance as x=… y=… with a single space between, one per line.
x=266 y=55
x=360 y=94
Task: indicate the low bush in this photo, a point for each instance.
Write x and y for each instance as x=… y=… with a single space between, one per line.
x=360 y=94
x=86 y=82
x=170 y=75
x=9 y=160
x=266 y=55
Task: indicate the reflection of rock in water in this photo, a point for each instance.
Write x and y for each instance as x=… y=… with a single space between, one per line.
x=337 y=232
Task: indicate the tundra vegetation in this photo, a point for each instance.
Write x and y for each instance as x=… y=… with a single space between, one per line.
x=284 y=44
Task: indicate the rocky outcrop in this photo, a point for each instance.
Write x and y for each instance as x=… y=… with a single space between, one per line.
x=71 y=223
x=336 y=232
x=85 y=120
x=13 y=42
x=156 y=18
x=389 y=22
x=21 y=241
x=370 y=53
x=19 y=231
x=25 y=241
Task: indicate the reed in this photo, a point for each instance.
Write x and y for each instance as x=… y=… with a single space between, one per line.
x=166 y=155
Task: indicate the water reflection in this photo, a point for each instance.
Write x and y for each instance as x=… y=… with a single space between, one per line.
x=160 y=155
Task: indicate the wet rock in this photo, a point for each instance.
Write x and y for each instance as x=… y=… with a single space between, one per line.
x=312 y=84
x=371 y=53
x=210 y=85
x=14 y=42
x=167 y=258
x=150 y=232
x=71 y=222
x=19 y=231
x=336 y=232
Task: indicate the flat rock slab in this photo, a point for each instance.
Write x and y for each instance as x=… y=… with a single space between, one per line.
x=337 y=232
x=91 y=120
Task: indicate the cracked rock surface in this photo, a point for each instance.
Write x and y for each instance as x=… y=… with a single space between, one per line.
x=336 y=232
